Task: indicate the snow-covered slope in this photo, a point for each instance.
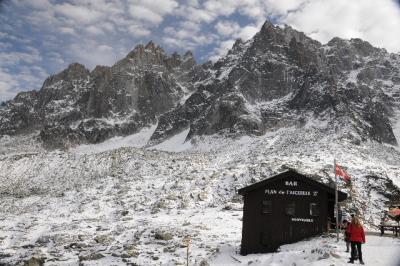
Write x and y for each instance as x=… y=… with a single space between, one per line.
x=130 y=204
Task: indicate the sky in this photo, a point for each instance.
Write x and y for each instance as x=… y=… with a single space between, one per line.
x=39 y=38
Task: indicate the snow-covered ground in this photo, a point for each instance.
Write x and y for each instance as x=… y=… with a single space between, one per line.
x=137 y=140
x=321 y=251
x=117 y=202
x=176 y=143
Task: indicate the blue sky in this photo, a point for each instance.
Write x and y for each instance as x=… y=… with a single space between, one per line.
x=41 y=37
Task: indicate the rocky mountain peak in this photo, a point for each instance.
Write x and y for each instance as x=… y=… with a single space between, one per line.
x=355 y=46
x=100 y=70
x=188 y=54
x=267 y=26
x=151 y=46
x=74 y=71
x=145 y=55
x=188 y=60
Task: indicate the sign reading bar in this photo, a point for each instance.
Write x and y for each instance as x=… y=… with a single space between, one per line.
x=291 y=183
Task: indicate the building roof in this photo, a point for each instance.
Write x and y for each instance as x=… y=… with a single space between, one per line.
x=331 y=190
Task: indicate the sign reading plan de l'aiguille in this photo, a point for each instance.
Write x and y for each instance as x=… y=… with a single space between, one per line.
x=291 y=192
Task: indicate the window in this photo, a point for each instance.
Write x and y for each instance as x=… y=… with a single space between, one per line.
x=314 y=209
x=290 y=208
x=266 y=206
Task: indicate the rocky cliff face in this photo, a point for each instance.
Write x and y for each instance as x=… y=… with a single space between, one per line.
x=280 y=78
x=79 y=106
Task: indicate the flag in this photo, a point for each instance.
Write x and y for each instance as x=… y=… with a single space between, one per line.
x=342 y=173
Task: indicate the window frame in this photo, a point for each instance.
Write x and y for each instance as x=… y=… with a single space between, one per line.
x=290 y=206
x=316 y=209
x=266 y=204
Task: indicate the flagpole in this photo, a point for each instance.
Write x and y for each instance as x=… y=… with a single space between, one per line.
x=336 y=201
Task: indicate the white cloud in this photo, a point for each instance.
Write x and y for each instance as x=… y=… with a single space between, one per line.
x=91 y=53
x=143 y=13
x=227 y=28
x=247 y=32
x=230 y=31
x=151 y=11
x=78 y=13
x=56 y=58
x=138 y=30
x=282 y=7
x=187 y=35
x=27 y=78
x=221 y=7
x=96 y=30
x=221 y=49
x=101 y=31
x=8 y=83
x=375 y=21
x=67 y=30
x=161 y=7
x=41 y=4
x=105 y=48
x=14 y=58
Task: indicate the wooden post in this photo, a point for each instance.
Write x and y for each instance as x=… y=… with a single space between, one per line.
x=336 y=202
x=187 y=241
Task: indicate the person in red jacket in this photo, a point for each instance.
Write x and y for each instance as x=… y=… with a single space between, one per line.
x=357 y=237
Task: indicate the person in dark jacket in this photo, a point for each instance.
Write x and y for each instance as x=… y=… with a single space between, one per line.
x=346 y=227
x=357 y=237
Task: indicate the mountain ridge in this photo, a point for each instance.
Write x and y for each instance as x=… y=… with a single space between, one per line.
x=278 y=78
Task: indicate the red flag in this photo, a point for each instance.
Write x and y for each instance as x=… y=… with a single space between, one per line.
x=394 y=212
x=342 y=173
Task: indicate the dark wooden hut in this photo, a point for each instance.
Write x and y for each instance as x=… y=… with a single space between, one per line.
x=283 y=209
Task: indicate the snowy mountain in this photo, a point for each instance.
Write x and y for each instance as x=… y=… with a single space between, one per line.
x=282 y=78
x=279 y=78
x=79 y=106
x=154 y=148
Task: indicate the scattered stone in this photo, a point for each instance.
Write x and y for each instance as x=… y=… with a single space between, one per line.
x=76 y=245
x=92 y=256
x=132 y=250
x=204 y=263
x=170 y=249
x=203 y=196
x=228 y=207
x=34 y=262
x=5 y=255
x=163 y=236
x=104 y=239
x=324 y=256
x=42 y=241
x=335 y=255
x=27 y=246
